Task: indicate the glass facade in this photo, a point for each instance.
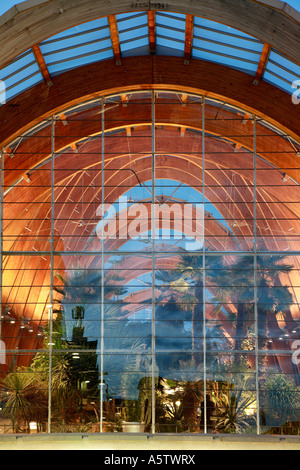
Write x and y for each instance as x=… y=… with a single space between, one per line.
x=150 y=271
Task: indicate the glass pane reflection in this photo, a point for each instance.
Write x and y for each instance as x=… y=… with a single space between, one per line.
x=150 y=274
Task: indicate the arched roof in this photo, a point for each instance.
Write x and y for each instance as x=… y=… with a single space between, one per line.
x=42 y=39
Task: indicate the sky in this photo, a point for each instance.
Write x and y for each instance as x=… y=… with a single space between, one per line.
x=7 y=4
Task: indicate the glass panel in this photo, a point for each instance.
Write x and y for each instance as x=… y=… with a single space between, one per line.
x=27 y=193
x=160 y=272
x=277 y=217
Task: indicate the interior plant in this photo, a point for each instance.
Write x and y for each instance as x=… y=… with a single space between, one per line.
x=280 y=401
x=21 y=389
x=233 y=395
x=189 y=391
x=230 y=413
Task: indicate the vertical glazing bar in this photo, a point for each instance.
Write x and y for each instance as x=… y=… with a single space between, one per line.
x=102 y=266
x=153 y=265
x=255 y=278
x=1 y=236
x=203 y=265
x=50 y=307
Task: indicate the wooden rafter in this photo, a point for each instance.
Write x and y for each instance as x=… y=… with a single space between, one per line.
x=114 y=33
x=189 y=28
x=42 y=64
x=151 y=26
x=44 y=20
x=262 y=63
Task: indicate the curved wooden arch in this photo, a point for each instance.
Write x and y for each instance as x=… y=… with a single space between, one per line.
x=105 y=78
x=22 y=286
x=26 y=25
x=237 y=130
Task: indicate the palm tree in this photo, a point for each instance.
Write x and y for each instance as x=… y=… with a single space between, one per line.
x=272 y=297
x=192 y=269
x=233 y=396
x=230 y=413
x=21 y=390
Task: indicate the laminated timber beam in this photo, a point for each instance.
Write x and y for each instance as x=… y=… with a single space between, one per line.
x=152 y=34
x=273 y=22
x=189 y=28
x=42 y=64
x=114 y=34
x=153 y=72
x=262 y=63
x=187 y=118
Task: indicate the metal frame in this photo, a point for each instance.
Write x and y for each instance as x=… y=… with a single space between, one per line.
x=153 y=253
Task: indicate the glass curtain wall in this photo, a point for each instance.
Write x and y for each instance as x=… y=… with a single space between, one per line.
x=150 y=271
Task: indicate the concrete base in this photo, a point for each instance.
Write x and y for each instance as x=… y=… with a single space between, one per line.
x=147 y=442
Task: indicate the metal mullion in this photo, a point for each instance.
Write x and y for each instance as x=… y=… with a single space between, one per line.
x=153 y=268
x=135 y=28
x=171 y=28
x=80 y=56
x=203 y=266
x=95 y=253
x=169 y=38
x=24 y=79
x=232 y=46
x=271 y=72
x=138 y=38
x=280 y=66
x=30 y=64
x=221 y=54
x=255 y=277
x=77 y=46
x=225 y=33
x=162 y=14
x=51 y=276
x=1 y=237
x=102 y=266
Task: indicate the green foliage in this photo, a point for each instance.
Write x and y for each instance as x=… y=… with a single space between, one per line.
x=280 y=399
x=230 y=412
x=22 y=389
